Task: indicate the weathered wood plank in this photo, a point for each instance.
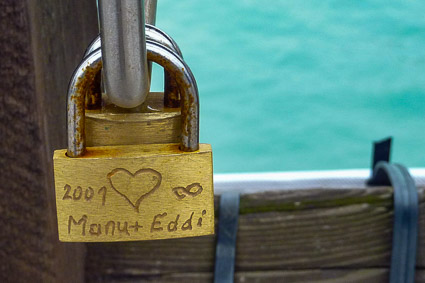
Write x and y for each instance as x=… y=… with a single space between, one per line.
x=40 y=44
x=282 y=230
x=372 y=275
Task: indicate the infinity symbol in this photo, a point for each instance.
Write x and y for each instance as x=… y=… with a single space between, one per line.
x=182 y=192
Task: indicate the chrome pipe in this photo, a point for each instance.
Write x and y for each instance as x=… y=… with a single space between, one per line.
x=150 y=11
x=125 y=67
x=150 y=18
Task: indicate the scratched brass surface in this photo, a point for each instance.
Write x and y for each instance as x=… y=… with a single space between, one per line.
x=157 y=124
x=137 y=192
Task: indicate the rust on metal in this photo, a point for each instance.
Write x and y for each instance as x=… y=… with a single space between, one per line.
x=84 y=79
x=171 y=92
x=89 y=85
x=79 y=135
x=189 y=114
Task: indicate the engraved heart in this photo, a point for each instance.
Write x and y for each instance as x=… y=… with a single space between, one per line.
x=134 y=187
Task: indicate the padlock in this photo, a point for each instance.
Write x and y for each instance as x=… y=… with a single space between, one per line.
x=157 y=121
x=135 y=192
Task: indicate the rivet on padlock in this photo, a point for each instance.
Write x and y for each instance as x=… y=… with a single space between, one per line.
x=137 y=192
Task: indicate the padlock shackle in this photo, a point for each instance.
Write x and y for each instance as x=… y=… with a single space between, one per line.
x=175 y=66
x=76 y=103
x=153 y=33
x=157 y=53
x=171 y=96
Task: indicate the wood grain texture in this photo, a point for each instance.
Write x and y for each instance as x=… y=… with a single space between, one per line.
x=372 y=275
x=113 y=127
x=288 y=234
x=40 y=44
x=137 y=192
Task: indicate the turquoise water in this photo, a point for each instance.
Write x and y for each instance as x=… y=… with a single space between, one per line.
x=304 y=85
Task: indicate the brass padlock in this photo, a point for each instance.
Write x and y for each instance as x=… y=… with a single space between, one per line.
x=135 y=192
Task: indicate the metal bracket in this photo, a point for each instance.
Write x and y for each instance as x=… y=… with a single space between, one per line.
x=226 y=239
x=406 y=213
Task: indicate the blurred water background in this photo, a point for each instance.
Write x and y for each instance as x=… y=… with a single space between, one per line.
x=303 y=85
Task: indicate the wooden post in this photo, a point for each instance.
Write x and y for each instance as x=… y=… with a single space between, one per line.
x=41 y=42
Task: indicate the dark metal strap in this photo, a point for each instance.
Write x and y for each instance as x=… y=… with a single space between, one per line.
x=226 y=239
x=412 y=224
x=405 y=227
x=381 y=151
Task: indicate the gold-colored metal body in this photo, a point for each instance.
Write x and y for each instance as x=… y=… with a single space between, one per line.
x=155 y=124
x=136 y=192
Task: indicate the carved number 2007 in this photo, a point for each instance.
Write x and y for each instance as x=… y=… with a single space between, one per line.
x=78 y=193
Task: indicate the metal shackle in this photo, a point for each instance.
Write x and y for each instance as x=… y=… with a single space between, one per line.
x=155 y=34
x=152 y=33
x=171 y=62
